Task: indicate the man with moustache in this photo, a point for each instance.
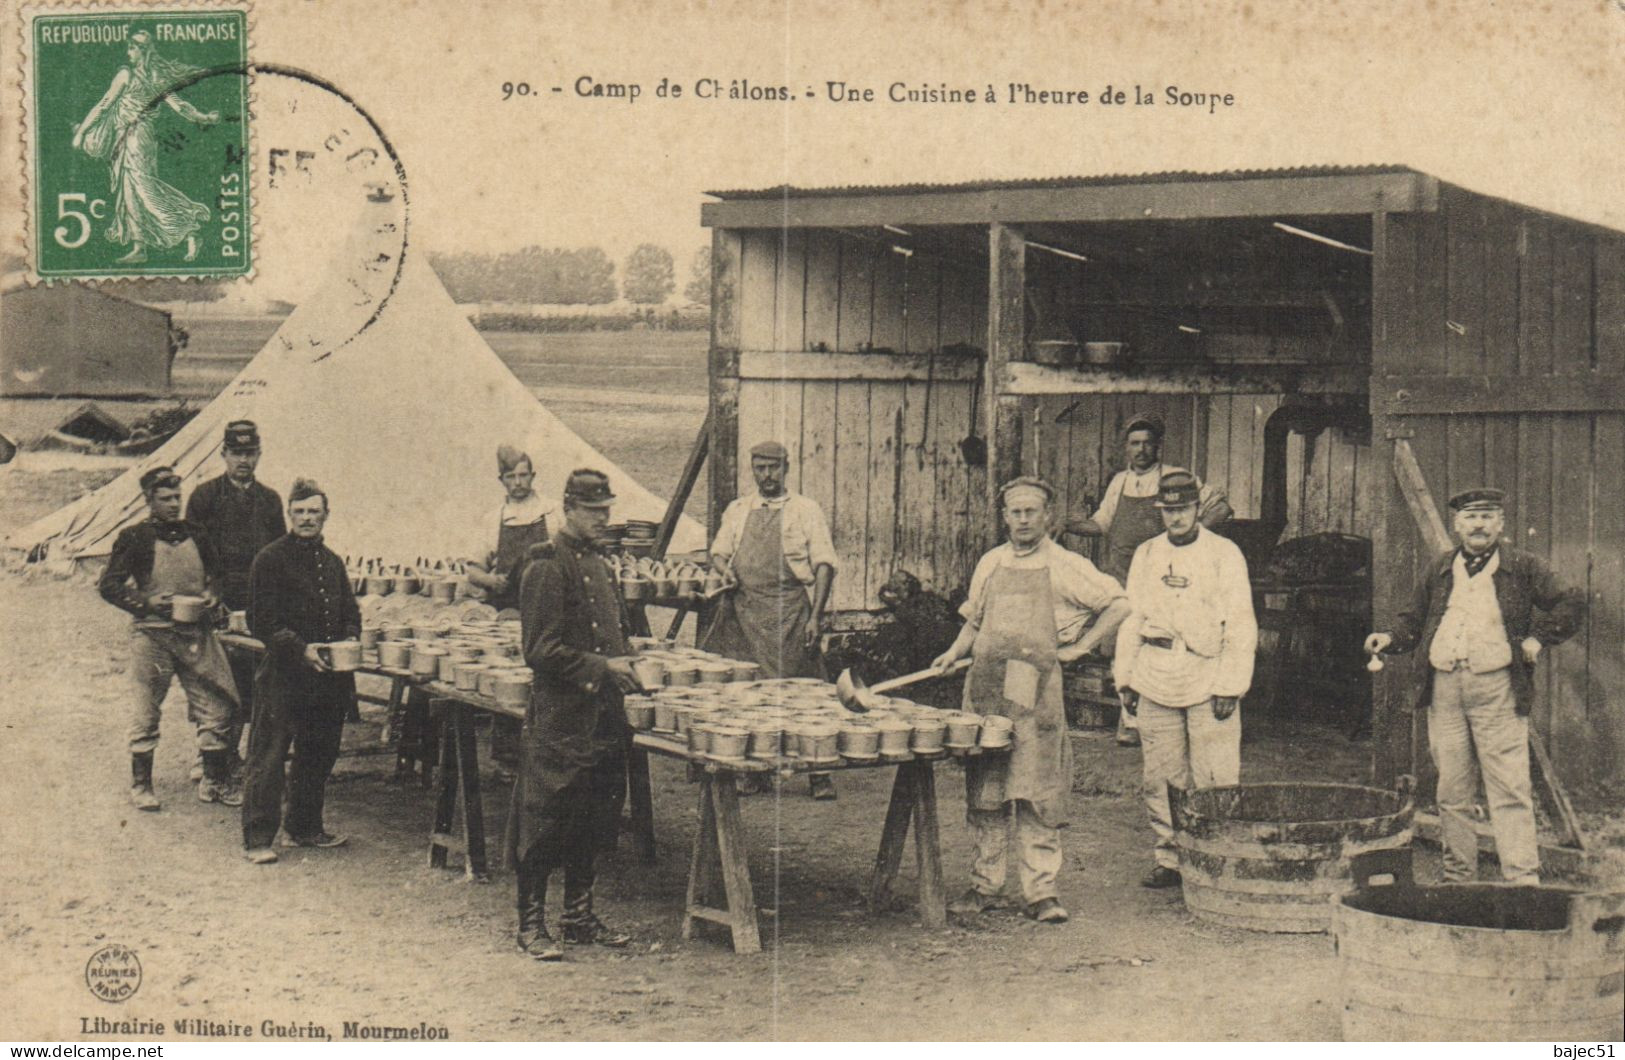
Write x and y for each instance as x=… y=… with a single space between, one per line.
x=300 y=599
x=572 y=778
x=151 y=563
x=239 y=515
x=1127 y=515
x=1032 y=606
x=776 y=546
x=1185 y=658
x=1474 y=614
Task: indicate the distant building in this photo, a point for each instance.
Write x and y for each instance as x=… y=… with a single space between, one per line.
x=68 y=340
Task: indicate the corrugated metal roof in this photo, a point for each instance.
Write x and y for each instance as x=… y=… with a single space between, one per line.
x=787 y=191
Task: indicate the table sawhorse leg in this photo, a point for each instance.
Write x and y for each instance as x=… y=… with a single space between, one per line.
x=721 y=839
x=641 y=799
x=913 y=800
x=459 y=774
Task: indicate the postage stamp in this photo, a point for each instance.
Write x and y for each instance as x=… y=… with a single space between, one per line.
x=138 y=141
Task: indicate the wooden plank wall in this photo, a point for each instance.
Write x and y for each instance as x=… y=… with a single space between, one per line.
x=1325 y=479
x=1487 y=288
x=881 y=457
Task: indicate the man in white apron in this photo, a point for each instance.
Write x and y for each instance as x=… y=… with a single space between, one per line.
x=1127 y=515
x=776 y=546
x=151 y=564
x=496 y=562
x=1032 y=606
x=1184 y=659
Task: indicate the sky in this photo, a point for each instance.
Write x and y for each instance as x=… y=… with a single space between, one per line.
x=1514 y=99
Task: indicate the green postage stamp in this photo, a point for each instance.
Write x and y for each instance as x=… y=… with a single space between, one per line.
x=137 y=139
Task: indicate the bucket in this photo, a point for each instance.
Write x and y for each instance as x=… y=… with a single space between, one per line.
x=859 y=742
x=370 y=636
x=443 y=590
x=651 y=673
x=512 y=687
x=344 y=656
x=466 y=676
x=963 y=730
x=394 y=654
x=927 y=738
x=378 y=585
x=407 y=584
x=426 y=660
x=1273 y=857
x=640 y=713
x=728 y=742
x=187 y=608
x=1477 y=961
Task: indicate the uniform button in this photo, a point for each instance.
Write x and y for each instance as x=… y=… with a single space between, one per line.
x=595 y=625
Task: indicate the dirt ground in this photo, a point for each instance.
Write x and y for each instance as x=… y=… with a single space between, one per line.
x=370 y=934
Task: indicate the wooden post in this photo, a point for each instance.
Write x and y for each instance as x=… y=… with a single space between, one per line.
x=893 y=838
x=928 y=845
x=1007 y=342
x=727 y=276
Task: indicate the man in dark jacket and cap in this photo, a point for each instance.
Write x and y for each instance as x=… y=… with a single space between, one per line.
x=151 y=564
x=575 y=741
x=1473 y=613
x=239 y=515
x=301 y=600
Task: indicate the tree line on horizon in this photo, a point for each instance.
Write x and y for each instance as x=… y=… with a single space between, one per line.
x=538 y=275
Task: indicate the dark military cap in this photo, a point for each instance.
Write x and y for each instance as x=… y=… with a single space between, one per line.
x=1481 y=499
x=588 y=489
x=1177 y=489
x=242 y=435
x=160 y=478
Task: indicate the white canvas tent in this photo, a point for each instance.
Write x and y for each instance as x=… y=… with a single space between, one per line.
x=399 y=421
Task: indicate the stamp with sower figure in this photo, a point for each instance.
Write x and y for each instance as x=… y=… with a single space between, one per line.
x=138 y=141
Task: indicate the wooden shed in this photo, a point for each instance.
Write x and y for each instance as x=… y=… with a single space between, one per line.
x=1334 y=347
x=70 y=340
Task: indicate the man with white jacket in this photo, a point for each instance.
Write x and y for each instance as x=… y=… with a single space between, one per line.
x=1185 y=658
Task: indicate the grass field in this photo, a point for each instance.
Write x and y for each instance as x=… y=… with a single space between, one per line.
x=657 y=362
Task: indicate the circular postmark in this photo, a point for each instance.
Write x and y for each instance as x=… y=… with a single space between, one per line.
x=113 y=973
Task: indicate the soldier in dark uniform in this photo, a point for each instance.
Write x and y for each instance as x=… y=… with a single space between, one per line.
x=239 y=515
x=575 y=741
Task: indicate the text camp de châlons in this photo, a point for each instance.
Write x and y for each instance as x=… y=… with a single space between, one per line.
x=1012 y=92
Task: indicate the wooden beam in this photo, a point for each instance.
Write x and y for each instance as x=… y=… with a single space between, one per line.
x=727 y=276
x=1170 y=200
x=1419 y=499
x=1547 y=784
x=855 y=367
x=1033 y=380
x=1007 y=345
x=1459 y=394
x=685 y=486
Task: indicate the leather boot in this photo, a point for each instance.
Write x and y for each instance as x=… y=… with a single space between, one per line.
x=533 y=939
x=141 y=781
x=581 y=927
x=217 y=785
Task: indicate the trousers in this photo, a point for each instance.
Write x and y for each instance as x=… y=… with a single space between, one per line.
x=1477 y=712
x=159 y=656
x=1189 y=748
x=1038 y=850
x=311 y=731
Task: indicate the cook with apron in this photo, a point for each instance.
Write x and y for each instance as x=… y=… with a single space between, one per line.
x=1127 y=516
x=1025 y=597
x=775 y=545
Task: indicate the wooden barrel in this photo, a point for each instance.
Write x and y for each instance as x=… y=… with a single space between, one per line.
x=1272 y=857
x=1478 y=962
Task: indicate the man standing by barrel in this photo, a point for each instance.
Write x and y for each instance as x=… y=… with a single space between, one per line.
x=239 y=515
x=496 y=562
x=300 y=600
x=1185 y=658
x=775 y=544
x=1032 y=606
x=153 y=563
x=572 y=779
x=1127 y=516
x=1473 y=613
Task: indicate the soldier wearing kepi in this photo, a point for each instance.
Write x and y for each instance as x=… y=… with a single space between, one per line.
x=1128 y=517
x=1473 y=613
x=239 y=515
x=1032 y=606
x=572 y=777
x=301 y=600
x=776 y=546
x=1185 y=659
x=153 y=563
